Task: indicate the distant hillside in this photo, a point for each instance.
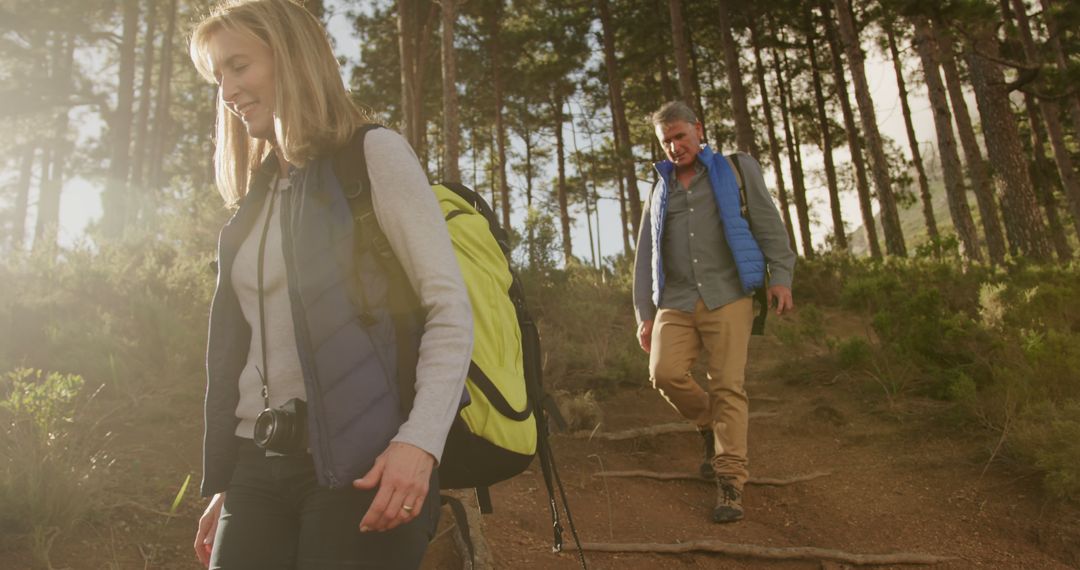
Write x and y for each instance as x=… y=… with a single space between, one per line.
x=911 y=220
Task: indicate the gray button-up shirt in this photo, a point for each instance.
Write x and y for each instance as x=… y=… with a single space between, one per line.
x=697 y=260
x=698 y=263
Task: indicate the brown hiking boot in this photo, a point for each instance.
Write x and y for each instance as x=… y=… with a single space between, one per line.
x=728 y=500
x=706 y=468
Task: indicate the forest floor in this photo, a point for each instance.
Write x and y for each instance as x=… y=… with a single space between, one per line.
x=900 y=479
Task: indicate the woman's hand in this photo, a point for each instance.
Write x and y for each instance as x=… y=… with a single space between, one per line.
x=402 y=474
x=204 y=537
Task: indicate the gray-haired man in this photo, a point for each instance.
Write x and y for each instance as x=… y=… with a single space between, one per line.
x=700 y=255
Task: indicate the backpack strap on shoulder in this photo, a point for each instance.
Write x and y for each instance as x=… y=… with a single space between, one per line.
x=350 y=167
x=733 y=162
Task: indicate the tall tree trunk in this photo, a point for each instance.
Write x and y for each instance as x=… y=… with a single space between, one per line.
x=682 y=52
x=624 y=222
x=493 y=181
x=162 y=118
x=1051 y=115
x=774 y=145
x=1053 y=40
x=414 y=41
x=55 y=154
x=46 y=226
x=744 y=128
x=913 y=142
x=22 y=197
x=115 y=199
x=862 y=183
x=794 y=158
x=826 y=142
x=879 y=165
x=564 y=207
x=695 y=76
x=405 y=17
x=1002 y=138
x=667 y=87
x=977 y=167
x=963 y=224
x=495 y=24
x=451 y=123
x=527 y=138
x=142 y=121
x=1045 y=182
x=623 y=148
x=586 y=180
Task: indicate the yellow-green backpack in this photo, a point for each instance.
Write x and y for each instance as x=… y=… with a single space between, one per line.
x=503 y=422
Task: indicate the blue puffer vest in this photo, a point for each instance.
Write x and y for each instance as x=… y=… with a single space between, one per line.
x=749 y=261
x=349 y=363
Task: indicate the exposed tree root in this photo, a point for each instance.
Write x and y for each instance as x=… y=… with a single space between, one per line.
x=768 y=552
x=661 y=476
x=661 y=429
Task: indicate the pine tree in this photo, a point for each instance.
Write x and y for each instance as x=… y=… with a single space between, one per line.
x=879 y=166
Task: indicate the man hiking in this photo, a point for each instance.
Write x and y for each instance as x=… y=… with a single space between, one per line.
x=707 y=241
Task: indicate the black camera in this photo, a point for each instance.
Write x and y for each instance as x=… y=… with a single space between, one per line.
x=283 y=429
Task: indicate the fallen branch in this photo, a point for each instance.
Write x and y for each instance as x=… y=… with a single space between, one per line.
x=768 y=552
x=662 y=429
x=660 y=476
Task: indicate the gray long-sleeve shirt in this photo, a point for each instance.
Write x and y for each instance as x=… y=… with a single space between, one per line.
x=697 y=260
x=412 y=221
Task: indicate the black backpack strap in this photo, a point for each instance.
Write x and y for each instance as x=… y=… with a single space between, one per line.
x=461 y=518
x=760 y=296
x=350 y=167
x=483 y=499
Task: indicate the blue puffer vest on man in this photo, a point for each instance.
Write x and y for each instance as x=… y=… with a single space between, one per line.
x=749 y=260
x=348 y=361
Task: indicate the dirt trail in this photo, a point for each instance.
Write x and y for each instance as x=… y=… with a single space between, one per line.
x=900 y=482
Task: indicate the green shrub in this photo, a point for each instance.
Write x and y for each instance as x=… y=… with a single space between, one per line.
x=131 y=315
x=1048 y=435
x=853 y=352
x=1003 y=343
x=586 y=320
x=52 y=463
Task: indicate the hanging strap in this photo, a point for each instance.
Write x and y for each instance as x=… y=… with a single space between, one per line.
x=462 y=519
x=264 y=374
x=483 y=499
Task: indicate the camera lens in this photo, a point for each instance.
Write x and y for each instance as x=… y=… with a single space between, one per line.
x=265 y=428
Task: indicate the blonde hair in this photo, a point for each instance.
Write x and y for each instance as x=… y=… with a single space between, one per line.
x=313 y=112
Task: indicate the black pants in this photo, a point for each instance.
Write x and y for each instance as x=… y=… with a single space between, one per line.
x=276 y=516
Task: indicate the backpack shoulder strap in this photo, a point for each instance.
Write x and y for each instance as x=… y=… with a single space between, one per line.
x=350 y=167
x=733 y=161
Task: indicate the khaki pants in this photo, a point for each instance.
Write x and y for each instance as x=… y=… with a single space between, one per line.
x=677 y=339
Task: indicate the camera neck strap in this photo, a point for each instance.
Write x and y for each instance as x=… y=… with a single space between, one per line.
x=264 y=373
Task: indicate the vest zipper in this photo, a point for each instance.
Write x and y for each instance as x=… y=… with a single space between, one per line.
x=323 y=457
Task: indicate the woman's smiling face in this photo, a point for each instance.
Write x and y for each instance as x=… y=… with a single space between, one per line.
x=244 y=69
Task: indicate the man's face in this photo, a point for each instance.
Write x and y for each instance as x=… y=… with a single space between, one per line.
x=681 y=141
